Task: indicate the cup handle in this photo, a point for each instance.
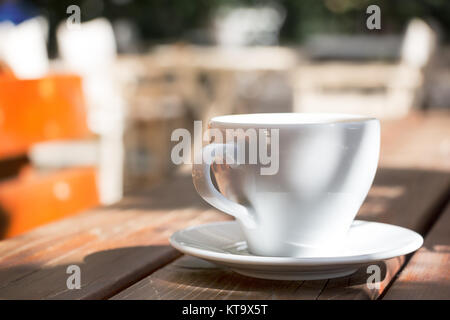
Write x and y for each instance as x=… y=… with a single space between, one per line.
x=201 y=176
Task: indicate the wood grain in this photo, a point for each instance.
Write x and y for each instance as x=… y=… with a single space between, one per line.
x=113 y=246
x=127 y=244
x=409 y=187
x=427 y=275
x=402 y=197
x=420 y=141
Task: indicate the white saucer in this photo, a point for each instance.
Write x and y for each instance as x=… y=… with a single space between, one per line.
x=223 y=244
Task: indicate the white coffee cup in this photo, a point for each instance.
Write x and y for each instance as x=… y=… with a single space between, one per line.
x=327 y=163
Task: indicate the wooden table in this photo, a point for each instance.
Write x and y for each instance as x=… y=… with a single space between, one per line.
x=123 y=250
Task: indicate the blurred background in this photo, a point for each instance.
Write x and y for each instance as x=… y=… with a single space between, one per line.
x=90 y=91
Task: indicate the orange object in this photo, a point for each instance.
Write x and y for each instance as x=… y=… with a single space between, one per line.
x=38 y=110
x=6 y=72
x=33 y=199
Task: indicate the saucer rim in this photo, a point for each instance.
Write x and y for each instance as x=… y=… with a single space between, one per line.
x=294 y=261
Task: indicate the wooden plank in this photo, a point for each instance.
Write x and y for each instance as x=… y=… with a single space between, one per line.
x=120 y=245
x=403 y=197
x=406 y=192
x=422 y=140
x=191 y=278
x=113 y=246
x=427 y=274
x=410 y=166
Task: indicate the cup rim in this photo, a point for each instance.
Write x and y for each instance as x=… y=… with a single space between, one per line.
x=289 y=119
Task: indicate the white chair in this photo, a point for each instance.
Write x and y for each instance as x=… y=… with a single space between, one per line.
x=23 y=47
x=379 y=89
x=90 y=51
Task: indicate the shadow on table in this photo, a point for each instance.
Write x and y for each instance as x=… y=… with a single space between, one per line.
x=405 y=197
x=410 y=198
x=106 y=273
x=137 y=273
x=192 y=278
x=102 y=273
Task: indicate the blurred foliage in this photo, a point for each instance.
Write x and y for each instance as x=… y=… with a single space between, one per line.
x=174 y=20
x=349 y=16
